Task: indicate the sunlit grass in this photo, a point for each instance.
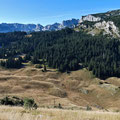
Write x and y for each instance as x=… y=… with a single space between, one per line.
x=17 y=113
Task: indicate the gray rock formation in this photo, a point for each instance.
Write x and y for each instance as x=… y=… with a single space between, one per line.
x=106 y=23
x=108 y=27
x=90 y=18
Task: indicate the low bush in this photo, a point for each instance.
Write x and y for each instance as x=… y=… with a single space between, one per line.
x=13 y=101
x=30 y=104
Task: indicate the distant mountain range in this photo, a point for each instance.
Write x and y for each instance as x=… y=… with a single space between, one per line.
x=4 y=27
x=106 y=23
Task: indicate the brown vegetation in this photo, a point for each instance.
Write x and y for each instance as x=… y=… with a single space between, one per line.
x=79 y=88
x=17 y=113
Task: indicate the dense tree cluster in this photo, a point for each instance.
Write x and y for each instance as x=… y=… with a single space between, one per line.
x=66 y=50
x=11 y=63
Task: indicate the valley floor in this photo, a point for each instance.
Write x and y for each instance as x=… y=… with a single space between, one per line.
x=17 y=113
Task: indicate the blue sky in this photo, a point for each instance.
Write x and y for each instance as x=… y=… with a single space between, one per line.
x=51 y=11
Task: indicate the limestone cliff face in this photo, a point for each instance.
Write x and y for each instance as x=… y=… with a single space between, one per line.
x=98 y=23
x=106 y=23
x=108 y=27
x=90 y=18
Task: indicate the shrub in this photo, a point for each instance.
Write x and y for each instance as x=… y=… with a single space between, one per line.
x=30 y=104
x=60 y=106
x=88 y=108
x=13 y=101
x=6 y=101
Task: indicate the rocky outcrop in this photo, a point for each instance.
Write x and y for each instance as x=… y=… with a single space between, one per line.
x=90 y=18
x=108 y=28
x=97 y=25
x=110 y=88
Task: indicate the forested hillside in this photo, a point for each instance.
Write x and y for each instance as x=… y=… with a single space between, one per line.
x=65 y=50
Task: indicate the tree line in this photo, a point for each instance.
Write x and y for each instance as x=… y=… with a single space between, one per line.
x=66 y=50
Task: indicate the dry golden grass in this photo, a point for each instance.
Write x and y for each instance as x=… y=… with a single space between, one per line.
x=16 y=113
x=67 y=89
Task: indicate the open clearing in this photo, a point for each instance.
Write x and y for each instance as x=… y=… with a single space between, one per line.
x=74 y=91
x=79 y=88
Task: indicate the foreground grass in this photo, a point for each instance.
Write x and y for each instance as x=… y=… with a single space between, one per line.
x=17 y=113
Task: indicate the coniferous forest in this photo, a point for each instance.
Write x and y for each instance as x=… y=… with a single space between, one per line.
x=65 y=50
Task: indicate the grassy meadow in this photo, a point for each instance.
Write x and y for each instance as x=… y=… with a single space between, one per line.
x=18 y=113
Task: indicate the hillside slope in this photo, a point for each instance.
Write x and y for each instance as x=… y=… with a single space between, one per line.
x=105 y=23
x=79 y=88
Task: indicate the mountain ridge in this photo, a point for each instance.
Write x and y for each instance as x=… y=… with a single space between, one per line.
x=11 y=27
x=106 y=23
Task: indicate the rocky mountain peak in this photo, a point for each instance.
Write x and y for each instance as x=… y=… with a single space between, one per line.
x=70 y=23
